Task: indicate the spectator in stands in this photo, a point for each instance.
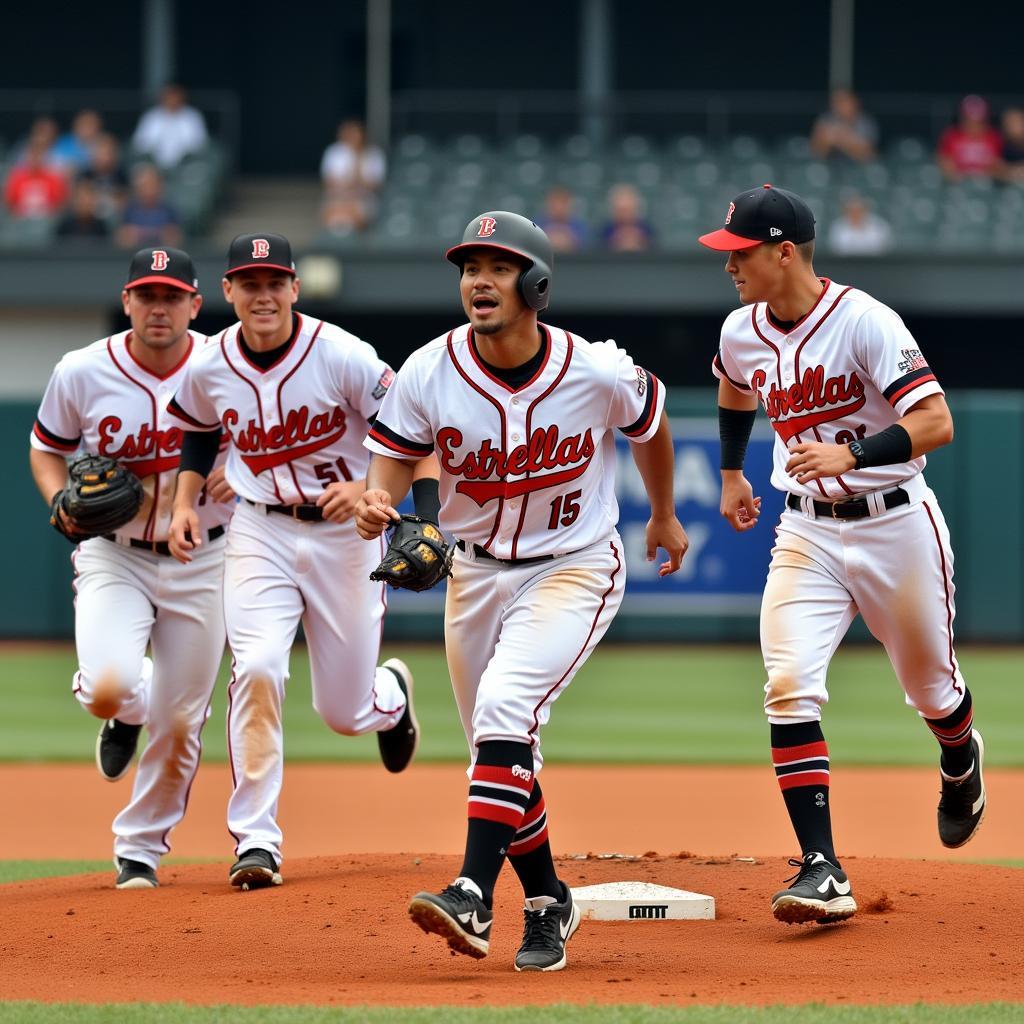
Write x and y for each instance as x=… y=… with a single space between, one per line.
x=859 y=231
x=41 y=136
x=171 y=130
x=972 y=147
x=34 y=187
x=845 y=130
x=1012 y=123
x=82 y=220
x=74 y=149
x=626 y=231
x=107 y=177
x=353 y=171
x=148 y=219
x=566 y=231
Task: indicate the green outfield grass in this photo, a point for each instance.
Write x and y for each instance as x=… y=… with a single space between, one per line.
x=686 y=704
x=178 y=1013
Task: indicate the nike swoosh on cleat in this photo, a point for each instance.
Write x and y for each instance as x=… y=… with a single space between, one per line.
x=474 y=922
x=843 y=888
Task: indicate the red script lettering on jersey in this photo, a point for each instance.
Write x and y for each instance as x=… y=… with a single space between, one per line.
x=545 y=450
x=813 y=400
x=300 y=434
x=144 y=453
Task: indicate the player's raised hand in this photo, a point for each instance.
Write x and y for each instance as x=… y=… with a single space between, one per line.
x=812 y=460
x=339 y=500
x=217 y=487
x=666 y=532
x=185 y=534
x=374 y=512
x=738 y=505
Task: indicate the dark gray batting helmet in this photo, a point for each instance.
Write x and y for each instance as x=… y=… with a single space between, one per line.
x=509 y=232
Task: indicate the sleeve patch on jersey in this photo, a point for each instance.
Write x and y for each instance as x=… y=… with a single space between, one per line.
x=176 y=410
x=65 y=444
x=383 y=384
x=912 y=360
x=905 y=384
x=384 y=435
x=720 y=366
x=643 y=423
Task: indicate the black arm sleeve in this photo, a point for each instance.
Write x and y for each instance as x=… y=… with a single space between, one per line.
x=888 y=447
x=734 y=427
x=199 y=451
x=426 y=499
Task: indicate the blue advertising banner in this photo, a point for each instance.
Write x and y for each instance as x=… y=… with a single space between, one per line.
x=723 y=572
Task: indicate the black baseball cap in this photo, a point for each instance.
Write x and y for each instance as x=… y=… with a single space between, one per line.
x=260 y=250
x=765 y=214
x=162 y=265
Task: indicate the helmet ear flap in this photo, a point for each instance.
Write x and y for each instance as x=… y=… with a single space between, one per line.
x=534 y=284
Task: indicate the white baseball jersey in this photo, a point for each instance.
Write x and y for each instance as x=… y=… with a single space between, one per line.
x=848 y=368
x=102 y=400
x=296 y=426
x=526 y=471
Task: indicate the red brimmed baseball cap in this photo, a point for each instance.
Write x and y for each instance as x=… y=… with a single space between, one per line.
x=162 y=265
x=249 y=252
x=765 y=214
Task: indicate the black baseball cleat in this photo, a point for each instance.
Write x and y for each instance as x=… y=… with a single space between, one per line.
x=115 y=748
x=820 y=892
x=398 y=745
x=962 y=804
x=548 y=927
x=255 y=869
x=458 y=915
x=133 y=874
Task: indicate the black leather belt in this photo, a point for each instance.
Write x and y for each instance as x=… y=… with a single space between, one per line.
x=160 y=547
x=479 y=552
x=304 y=513
x=849 y=508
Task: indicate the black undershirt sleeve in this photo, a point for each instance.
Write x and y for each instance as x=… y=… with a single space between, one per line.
x=426 y=499
x=199 y=451
x=734 y=427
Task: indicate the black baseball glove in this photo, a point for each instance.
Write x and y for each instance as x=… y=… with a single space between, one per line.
x=417 y=558
x=100 y=496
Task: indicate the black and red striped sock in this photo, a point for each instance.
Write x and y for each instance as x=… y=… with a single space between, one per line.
x=499 y=791
x=800 y=756
x=954 y=735
x=529 y=853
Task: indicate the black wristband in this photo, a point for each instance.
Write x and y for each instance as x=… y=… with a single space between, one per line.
x=199 y=451
x=426 y=499
x=734 y=427
x=886 y=448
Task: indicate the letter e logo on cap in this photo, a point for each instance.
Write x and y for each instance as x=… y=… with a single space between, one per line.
x=487 y=226
x=260 y=248
x=775 y=232
x=732 y=210
x=160 y=260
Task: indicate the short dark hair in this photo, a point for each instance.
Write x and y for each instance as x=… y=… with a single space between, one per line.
x=806 y=250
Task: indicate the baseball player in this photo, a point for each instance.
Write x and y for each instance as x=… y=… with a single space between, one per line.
x=522 y=417
x=110 y=399
x=296 y=395
x=855 y=408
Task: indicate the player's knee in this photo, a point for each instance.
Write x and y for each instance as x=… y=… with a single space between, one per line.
x=104 y=693
x=340 y=720
x=262 y=664
x=788 y=697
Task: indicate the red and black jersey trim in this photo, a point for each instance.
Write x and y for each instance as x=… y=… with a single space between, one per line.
x=48 y=437
x=176 y=410
x=640 y=426
x=383 y=434
x=908 y=382
x=720 y=366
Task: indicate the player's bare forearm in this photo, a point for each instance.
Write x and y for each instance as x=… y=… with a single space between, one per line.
x=732 y=398
x=188 y=488
x=929 y=424
x=49 y=471
x=387 y=483
x=428 y=468
x=656 y=462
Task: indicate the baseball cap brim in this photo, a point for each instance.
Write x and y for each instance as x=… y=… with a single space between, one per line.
x=260 y=266
x=726 y=241
x=160 y=279
x=456 y=254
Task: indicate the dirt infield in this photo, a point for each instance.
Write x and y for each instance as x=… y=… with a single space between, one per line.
x=337 y=933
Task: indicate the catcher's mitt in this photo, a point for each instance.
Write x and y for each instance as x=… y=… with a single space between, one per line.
x=100 y=496
x=417 y=558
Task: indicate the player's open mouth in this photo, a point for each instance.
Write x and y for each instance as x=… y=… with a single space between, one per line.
x=484 y=305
